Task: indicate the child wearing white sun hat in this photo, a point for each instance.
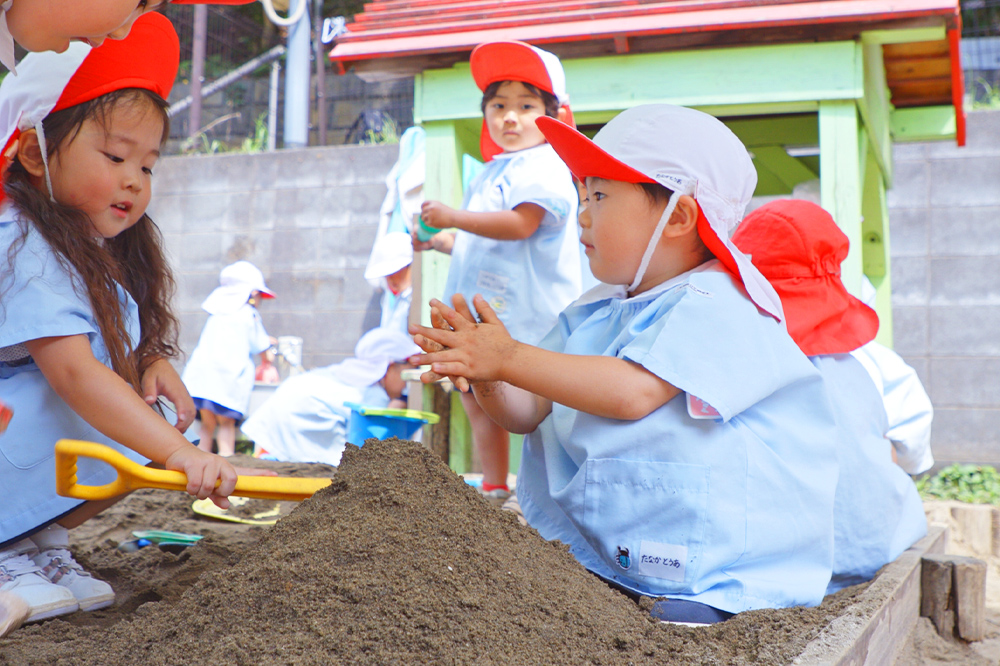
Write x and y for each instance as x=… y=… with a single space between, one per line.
x=516 y=241
x=220 y=373
x=676 y=437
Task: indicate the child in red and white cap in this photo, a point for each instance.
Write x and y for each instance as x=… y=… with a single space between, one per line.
x=799 y=248
x=517 y=240
x=675 y=437
x=85 y=289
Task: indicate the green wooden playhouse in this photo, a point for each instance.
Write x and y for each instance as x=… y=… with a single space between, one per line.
x=816 y=88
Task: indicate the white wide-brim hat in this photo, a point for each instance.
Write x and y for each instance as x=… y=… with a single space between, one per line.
x=236 y=282
x=375 y=352
x=392 y=252
x=688 y=152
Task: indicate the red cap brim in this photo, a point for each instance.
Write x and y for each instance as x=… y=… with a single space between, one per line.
x=508 y=61
x=585 y=158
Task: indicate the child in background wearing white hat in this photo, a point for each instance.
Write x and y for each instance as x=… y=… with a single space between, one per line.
x=306 y=419
x=516 y=242
x=676 y=437
x=87 y=328
x=220 y=372
x=390 y=265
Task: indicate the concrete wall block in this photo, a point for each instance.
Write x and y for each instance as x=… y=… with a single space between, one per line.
x=910 y=281
x=357 y=291
x=982 y=138
x=294 y=250
x=964 y=331
x=964 y=281
x=335 y=334
x=300 y=209
x=295 y=290
x=965 y=382
x=350 y=165
x=290 y=169
x=910 y=188
x=964 y=231
x=253 y=247
x=263 y=209
x=908 y=152
x=971 y=181
x=966 y=434
x=201 y=252
x=923 y=367
x=909 y=232
x=337 y=210
x=910 y=330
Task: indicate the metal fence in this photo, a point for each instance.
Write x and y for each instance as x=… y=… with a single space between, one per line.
x=356 y=111
x=981 y=51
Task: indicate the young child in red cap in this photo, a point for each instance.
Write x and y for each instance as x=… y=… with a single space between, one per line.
x=87 y=328
x=799 y=248
x=675 y=437
x=516 y=242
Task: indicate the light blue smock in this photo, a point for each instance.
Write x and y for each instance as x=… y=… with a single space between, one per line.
x=305 y=420
x=396 y=310
x=221 y=367
x=877 y=512
x=734 y=512
x=528 y=282
x=38 y=300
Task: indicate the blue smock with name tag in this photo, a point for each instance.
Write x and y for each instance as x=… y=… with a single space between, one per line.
x=877 y=513
x=38 y=300
x=735 y=512
x=527 y=282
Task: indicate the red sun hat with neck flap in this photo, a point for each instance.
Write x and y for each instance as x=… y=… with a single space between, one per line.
x=799 y=248
x=517 y=61
x=48 y=82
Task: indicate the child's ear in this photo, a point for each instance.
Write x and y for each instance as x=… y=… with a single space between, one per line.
x=29 y=153
x=684 y=219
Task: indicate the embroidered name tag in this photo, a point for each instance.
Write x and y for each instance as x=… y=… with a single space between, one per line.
x=492 y=282
x=662 y=560
x=699 y=409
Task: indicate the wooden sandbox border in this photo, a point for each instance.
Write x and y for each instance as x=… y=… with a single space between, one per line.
x=874 y=628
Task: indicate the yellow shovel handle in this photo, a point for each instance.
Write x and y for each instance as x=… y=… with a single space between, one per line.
x=132 y=476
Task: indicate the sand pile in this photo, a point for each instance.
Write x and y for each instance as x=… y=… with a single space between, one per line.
x=398 y=561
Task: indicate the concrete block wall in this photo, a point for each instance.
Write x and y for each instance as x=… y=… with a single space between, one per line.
x=306 y=218
x=944 y=215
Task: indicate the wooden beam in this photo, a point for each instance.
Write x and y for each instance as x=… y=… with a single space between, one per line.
x=786 y=168
x=923 y=124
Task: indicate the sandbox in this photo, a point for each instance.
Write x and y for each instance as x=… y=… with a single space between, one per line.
x=399 y=561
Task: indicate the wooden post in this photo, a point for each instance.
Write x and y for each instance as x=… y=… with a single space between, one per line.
x=953 y=595
x=439 y=433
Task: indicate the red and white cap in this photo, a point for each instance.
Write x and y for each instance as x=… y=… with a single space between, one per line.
x=517 y=61
x=688 y=152
x=49 y=82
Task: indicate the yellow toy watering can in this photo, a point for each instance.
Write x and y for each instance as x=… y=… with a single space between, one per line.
x=132 y=476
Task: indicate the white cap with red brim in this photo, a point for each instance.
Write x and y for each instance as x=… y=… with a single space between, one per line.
x=237 y=282
x=688 y=152
x=517 y=61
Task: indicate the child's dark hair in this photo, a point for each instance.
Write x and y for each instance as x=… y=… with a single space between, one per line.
x=134 y=258
x=658 y=194
x=551 y=101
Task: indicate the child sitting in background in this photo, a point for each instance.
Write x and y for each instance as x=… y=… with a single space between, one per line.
x=220 y=373
x=676 y=438
x=798 y=247
x=391 y=265
x=306 y=419
x=516 y=242
x=87 y=328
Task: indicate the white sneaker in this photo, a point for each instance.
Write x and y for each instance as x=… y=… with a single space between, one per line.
x=58 y=566
x=22 y=577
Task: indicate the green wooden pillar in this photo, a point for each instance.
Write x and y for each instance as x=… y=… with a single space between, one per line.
x=875 y=248
x=840 y=179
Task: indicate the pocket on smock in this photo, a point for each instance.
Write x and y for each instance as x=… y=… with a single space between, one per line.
x=647 y=519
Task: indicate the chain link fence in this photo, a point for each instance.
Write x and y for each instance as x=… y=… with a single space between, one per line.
x=981 y=52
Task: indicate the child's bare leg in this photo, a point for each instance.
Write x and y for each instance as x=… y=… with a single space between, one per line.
x=208 y=424
x=491 y=441
x=226 y=436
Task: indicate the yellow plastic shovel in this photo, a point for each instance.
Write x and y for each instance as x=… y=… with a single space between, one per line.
x=132 y=476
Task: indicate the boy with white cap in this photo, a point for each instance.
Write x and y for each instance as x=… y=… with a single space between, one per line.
x=306 y=419
x=516 y=242
x=220 y=373
x=799 y=248
x=676 y=438
x=390 y=267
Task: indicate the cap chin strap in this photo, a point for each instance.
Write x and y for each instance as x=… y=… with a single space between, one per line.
x=40 y=131
x=647 y=256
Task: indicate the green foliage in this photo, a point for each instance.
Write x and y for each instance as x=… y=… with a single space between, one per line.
x=974 y=484
x=388 y=134
x=200 y=144
x=257 y=143
x=990 y=97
